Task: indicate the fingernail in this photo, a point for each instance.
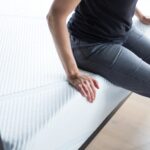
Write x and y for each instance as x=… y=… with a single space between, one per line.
x=89 y=99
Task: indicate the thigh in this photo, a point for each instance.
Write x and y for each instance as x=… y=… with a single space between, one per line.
x=100 y=57
x=138 y=43
x=131 y=72
x=95 y=57
x=116 y=63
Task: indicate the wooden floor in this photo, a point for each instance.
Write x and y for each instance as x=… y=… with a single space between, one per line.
x=128 y=129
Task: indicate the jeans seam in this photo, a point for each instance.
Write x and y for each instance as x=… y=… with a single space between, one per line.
x=140 y=64
x=116 y=58
x=131 y=75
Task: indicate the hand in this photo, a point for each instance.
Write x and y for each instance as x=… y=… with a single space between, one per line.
x=85 y=84
x=145 y=20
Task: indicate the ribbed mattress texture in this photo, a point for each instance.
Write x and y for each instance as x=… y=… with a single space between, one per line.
x=31 y=78
x=33 y=87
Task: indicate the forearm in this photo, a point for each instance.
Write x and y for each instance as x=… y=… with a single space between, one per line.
x=59 y=31
x=144 y=19
x=138 y=13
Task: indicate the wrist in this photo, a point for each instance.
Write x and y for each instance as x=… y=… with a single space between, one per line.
x=73 y=74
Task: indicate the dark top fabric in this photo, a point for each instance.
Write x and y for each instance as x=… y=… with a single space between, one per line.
x=102 y=20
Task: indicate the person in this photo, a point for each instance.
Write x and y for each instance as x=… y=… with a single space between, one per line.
x=100 y=37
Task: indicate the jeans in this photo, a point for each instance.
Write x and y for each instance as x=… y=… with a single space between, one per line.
x=125 y=64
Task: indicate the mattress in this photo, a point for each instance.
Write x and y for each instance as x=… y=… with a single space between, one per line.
x=38 y=108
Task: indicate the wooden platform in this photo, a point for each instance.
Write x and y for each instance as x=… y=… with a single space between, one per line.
x=128 y=129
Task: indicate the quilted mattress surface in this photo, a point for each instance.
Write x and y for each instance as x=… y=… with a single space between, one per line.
x=36 y=101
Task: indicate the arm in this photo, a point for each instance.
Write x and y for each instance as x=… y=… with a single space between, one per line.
x=56 y=19
x=144 y=19
x=138 y=13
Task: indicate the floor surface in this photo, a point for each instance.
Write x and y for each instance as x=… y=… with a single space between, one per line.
x=129 y=128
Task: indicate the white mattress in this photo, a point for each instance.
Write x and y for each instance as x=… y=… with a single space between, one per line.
x=36 y=101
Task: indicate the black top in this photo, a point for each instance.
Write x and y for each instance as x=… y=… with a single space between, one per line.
x=102 y=20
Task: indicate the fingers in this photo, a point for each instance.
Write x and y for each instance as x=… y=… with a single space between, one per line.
x=96 y=84
x=85 y=89
x=86 y=86
x=145 y=20
x=89 y=90
x=82 y=90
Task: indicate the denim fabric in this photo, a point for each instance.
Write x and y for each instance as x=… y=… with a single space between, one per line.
x=125 y=64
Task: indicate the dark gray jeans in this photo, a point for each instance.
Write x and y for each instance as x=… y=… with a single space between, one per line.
x=126 y=65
